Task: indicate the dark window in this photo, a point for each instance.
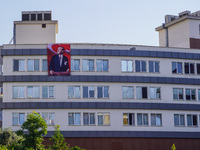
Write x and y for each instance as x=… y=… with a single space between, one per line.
x=144 y=92
x=43 y=25
x=198 y=68
x=189 y=68
x=39 y=16
x=15 y=65
x=47 y=16
x=33 y=17
x=25 y=17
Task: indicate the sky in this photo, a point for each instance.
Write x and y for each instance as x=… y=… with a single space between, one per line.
x=98 y=21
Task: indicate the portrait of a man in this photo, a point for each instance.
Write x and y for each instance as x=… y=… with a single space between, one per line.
x=58 y=59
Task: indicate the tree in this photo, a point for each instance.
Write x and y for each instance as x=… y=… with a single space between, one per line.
x=9 y=138
x=36 y=127
x=58 y=140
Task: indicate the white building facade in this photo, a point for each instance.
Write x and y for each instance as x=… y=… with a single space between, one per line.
x=120 y=93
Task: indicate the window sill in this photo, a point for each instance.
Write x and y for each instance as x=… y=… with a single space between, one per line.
x=179 y=126
x=90 y=125
x=73 y=125
x=156 y=125
x=49 y=98
x=129 y=125
x=104 y=125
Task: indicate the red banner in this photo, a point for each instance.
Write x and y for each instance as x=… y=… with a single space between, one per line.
x=58 y=56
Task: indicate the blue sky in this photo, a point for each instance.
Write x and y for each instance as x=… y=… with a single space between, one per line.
x=98 y=21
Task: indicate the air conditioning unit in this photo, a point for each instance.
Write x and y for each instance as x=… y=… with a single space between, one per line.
x=184 y=13
x=169 y=18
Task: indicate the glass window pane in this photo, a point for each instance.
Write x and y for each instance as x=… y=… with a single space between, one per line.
x=30 y=91
x=91 y=92
x=139 y=119
x=77 y=92
x=15 y=65
x=21 y=92
x=44 y=65
x=174 y=68
x=99 y=92
x=85 y=119
x=85 y=92
x=130 y=66
x=186 y=68
x=36 y=65
x=179 y=67
x=137 y=66
x=151 y=66
x=139 y=92
x=21 y=118
x=106 y=88
x=100 y=119
x=84 y=65
x=71 y=118
x=99 y=65
x=92 y=118
x=21 y=65
x=105 y=65
x=30 y=65
x=143 y=66
x=51 y=91
x=15 y=119
x=70 y=91
x=76 y=65
x=157 y=67
x=15 y=92
x=106 y=119
x=44 y=91
x=91 y=65
x=77 y=119
x=123 y=62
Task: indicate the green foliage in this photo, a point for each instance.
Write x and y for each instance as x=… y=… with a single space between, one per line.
x=58 y=140
x=9 y=138
x=173 y=147
x=3 y=147
x=36 y=127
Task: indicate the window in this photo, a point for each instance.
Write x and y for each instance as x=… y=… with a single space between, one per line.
x=127 y=92
x=198 y=68
x=142 y=119
x=141 y=92
x=73 y=91
x=199 y=94
x=127 y=65
x=1 y=69
x=102 y=92
x=103 y=118
x=47 y=91
x=88 y=91
x=102 y=65
x=156 y=119
x=49 y=118
x=128 y=119
x=1 y=92
x=75 y=65
x=33 y=65
x=154 y=92
x=33 y=91
x=19 y=65
x=179 y=120
x=140 y=66
x=88 y=65
x=18 y=92
x=177 y=93
x=190 y=94
x=18 y=118
x=74 y=118
x=88 y=118
x=189 y=68
x=44 y=65
x=154 y=66
x=43 y=25
x=191 y=120
x=176 y=67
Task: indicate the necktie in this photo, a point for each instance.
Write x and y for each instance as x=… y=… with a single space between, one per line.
x=60 y=60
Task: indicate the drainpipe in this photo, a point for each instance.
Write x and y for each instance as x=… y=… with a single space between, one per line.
x=166 y=33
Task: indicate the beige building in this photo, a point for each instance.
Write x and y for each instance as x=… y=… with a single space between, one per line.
x=116 y=94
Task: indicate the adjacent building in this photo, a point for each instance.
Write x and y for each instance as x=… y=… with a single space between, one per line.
x=117 y=96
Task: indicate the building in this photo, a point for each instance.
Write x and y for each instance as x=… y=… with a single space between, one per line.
x=117 y=96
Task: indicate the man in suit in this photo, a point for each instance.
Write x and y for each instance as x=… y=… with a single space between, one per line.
x=59 y=62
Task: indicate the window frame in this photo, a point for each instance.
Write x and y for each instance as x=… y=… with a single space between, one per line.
x=103 y=114
x=44 y=67
x=48 y=121
x=48 y=91
x=155 y=123
x=74 y=91
x=33 y=69
x=102 y=91
x=142 y=92
x=72 y=65
x=88 y=91
x=18 y=91
x=89 y=119
x=140 y=66
x=126 y=65
x=18 y=65
x=33 y=92
x=154 y=66
x=191 y=99
x=178 y=94
x=142 y=119
x=74 y=123
x=179 y=120
x=177 y=68
x=155 y=94
x=88 y=65
x=189 y=68
x=192 y=120
x=127 y=92
x=18 y=118
x=130 y=122
x=102 y=65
